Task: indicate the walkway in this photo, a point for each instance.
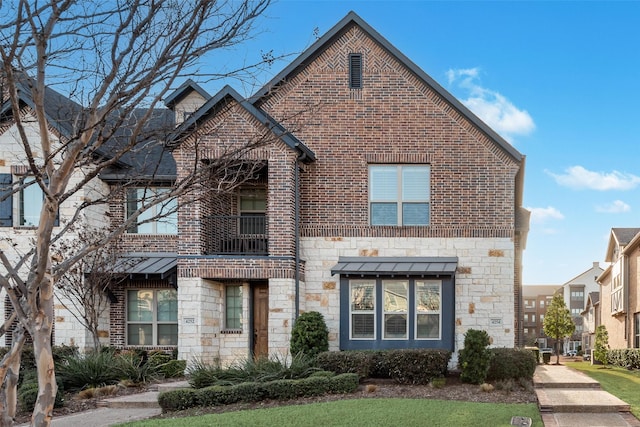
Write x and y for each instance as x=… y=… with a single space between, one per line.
x=567 y=397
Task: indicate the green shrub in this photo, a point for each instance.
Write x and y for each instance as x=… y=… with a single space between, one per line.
x=309 y=335
x=255 y=391
x=474 y=358
x=417 y=366
x=174 y=368
x=344 y=383
x=94 y=369
x=260 y=369
x=28 y=394
x=136 y=367
x=342 y=362
x=511 y=363
x=325 y=374
x=177 y=400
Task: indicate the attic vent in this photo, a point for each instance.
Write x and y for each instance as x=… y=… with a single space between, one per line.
x=355 y=71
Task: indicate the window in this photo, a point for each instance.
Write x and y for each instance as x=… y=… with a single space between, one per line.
x=396 y=299
x=158 y=219
x=636 y=330
x=576 y=311
x=419 y=300
x=428 y=321
x=577 y=295
x=541 y=318
x=355 y=71
x=233 y=307
x=152 y=317
x=541 y=303
x=362 y=308
x=6 y=200
x=399 y=195
x=253 y=208
x=533 y=318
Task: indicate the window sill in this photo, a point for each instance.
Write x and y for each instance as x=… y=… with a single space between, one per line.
x=231 y=331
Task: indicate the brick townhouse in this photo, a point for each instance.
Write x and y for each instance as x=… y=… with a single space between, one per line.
x=383 y=203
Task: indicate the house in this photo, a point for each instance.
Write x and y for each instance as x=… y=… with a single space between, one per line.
x=619 y=302
x=575 y=293
x=536 y=300
x=591 y=316
x=369 y=194
x=386 y=205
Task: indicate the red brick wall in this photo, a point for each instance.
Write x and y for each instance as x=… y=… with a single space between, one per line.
x=394 y=118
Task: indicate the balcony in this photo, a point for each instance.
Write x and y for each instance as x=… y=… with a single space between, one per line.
x=237 y=235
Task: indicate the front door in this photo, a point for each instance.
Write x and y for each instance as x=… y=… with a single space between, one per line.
x=261 y=320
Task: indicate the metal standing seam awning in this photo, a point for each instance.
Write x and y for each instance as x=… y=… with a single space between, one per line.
x=146 y=264
x=405 y=266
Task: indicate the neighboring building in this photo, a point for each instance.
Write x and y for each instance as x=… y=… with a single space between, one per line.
x=384 y=204
x=591 y=316
x=575 y=293
x=619 y=287
x=536 y=300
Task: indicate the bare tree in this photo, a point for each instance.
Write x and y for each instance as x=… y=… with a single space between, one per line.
x=84 y=290
x=112 y=58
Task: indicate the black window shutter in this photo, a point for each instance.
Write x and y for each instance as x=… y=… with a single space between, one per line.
x=355 y=71
x=6 y=202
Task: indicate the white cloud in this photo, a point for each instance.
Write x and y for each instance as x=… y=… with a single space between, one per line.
x=579 y=178
x=617 y=206
x=492 y=107
x=539 y=215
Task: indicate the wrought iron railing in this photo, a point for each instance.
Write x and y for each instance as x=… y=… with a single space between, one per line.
x=237 y=235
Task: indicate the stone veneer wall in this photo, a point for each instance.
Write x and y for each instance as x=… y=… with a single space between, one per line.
x=484 y=279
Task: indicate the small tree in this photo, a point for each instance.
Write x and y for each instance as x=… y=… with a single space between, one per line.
x=475 y=357
x=310 y=335
x=602 y=345
x=558 y=323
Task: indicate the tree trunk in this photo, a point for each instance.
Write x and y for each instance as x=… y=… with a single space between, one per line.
x=10 y=373
x=47 y=387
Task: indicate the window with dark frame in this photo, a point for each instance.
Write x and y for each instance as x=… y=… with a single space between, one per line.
x=152 y=317
x=355 y=71
x=636 y=330
x=233 y=307
x=399 y=195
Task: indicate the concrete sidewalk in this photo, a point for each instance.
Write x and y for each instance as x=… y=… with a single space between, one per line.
x=567 y=397
x=118 y=410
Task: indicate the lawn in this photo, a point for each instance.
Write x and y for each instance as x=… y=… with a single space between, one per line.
x=365 y=412
x=622 y=383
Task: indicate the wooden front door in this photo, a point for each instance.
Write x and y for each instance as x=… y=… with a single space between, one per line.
x=261 y=320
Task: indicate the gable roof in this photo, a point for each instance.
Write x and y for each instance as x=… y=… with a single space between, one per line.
x=184 y=90
x=62 y=113
x=219 y=100
x=353 y=19
x=620 y=237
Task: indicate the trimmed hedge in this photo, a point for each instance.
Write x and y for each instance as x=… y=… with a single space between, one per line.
x=628 y=358
x=511 y=363
x=255 y=391
x=405 y=366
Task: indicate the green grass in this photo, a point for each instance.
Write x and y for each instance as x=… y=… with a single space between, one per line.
x=622 y=383
x=365 y=412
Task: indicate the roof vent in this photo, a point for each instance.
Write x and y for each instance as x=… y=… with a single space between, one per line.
x=355 y=71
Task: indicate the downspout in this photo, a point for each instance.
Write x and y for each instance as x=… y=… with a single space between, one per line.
x=297 y=235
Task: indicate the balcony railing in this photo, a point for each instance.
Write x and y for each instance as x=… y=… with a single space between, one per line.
x=237 y=235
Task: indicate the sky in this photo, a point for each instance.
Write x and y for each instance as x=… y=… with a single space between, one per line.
x=559 y=80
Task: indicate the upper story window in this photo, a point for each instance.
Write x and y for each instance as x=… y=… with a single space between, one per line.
x=399 y=195
x=253 y=209
x=355 y=71
x=29 y=202
x=158 y=219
